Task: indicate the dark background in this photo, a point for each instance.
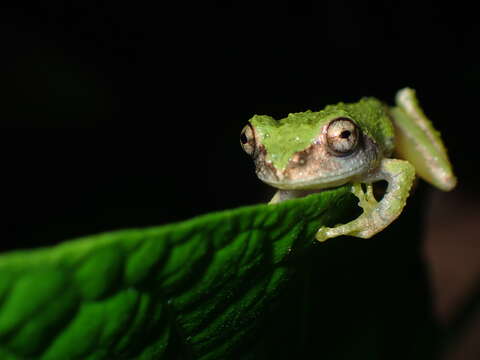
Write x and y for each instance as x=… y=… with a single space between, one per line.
x=129 y=115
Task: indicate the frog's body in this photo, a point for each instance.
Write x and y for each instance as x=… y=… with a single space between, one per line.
x=350 y=143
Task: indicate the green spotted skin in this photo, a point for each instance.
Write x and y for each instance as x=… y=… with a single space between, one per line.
x=297 y=131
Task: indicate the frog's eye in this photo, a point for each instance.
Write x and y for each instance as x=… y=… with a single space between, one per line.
x=247 y=139
x=342 y=136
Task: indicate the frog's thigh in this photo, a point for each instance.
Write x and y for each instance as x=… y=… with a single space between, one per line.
x=417 y=141
x=376 y=216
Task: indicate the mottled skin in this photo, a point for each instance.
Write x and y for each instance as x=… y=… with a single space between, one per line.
x=350 y=143
x=293 y=154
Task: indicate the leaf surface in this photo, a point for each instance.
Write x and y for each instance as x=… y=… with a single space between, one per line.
x=195 y=289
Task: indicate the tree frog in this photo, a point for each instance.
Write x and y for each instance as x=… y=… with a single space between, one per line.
x=357 y=143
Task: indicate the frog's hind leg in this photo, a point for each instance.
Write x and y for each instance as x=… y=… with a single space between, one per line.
x=417 y=141
x=376 y=216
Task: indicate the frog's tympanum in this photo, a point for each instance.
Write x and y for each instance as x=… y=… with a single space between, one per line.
x=358 y=143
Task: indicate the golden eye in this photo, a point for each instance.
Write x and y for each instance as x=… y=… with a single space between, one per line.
x=342 y=136
x=247 y=139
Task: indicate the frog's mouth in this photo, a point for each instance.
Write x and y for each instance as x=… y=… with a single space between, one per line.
x=317 y=183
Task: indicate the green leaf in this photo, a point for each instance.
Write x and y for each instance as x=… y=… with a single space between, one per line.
x=199 y=288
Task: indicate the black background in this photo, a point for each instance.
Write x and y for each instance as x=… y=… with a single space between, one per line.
x=129 y=115
x=119 y=115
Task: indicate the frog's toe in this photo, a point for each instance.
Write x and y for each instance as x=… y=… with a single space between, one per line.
x=350 y=229
x=323 y=234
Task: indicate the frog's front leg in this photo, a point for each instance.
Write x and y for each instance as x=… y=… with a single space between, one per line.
x=282 y=195
x=376 y=216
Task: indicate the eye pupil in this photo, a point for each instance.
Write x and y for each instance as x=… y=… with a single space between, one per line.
x=247 y=140
x=243 y=138
x=342 y=136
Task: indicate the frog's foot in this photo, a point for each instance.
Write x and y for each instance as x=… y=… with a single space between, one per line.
x=357 y=227
x=376 y=216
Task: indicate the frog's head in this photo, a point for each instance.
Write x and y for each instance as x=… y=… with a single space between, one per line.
x=312 y=150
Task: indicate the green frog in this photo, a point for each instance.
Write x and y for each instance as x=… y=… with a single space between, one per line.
x=356 y=143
